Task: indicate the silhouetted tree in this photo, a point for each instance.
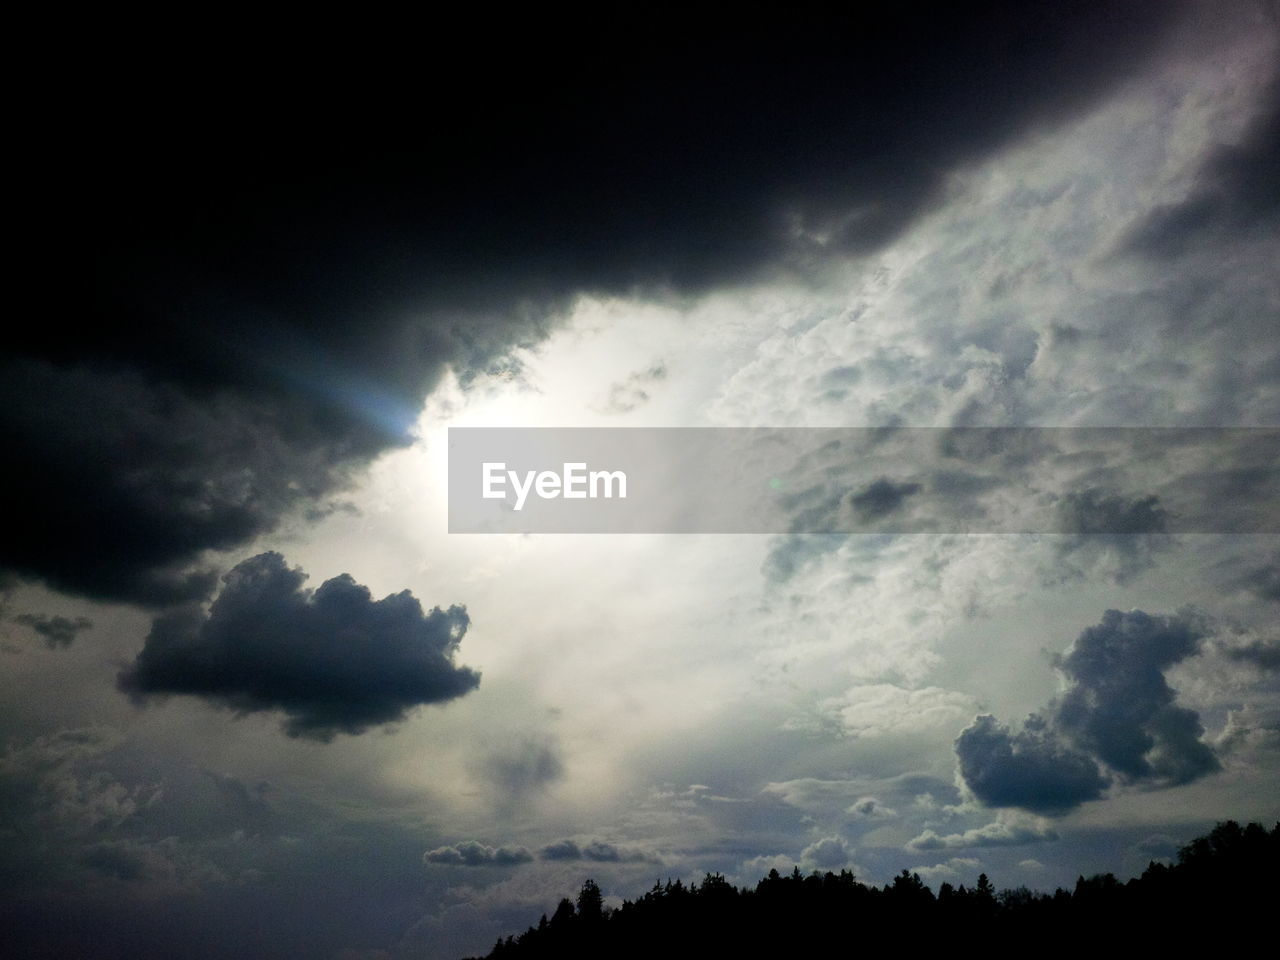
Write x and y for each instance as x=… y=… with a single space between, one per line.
x=1228 y=872
x=590 y=902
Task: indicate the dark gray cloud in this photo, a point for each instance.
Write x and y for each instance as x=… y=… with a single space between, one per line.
x=472 y=853
x=881 y=498
x=597 y=850
x=1264 y=653
x=57 y=631
x=1236 y=192
x=332 y=660
x=1119 y=707
x=1094 y=511
x=1117 y=721
x=271 y=274
x=1031 y=769
x=1109 y=532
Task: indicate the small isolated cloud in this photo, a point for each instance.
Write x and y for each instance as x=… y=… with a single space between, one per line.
x=1004 y=832
x=56 y=631
x=634 y=391
x=1035 y=866
x=332 y=660
x=597 y=851
x=472 y=853
x=1117 y=721
x=869 y=808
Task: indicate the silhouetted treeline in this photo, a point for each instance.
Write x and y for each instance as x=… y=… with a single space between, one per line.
x=1223 y=885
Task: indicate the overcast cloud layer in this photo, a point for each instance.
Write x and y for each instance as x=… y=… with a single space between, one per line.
x=261 y=703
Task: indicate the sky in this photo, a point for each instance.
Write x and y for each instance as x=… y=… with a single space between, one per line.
x=261 y=702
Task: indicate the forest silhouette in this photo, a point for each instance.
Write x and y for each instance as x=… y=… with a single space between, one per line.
x=1222 y=885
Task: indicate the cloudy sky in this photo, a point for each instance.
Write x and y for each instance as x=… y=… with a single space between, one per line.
x=260 y=702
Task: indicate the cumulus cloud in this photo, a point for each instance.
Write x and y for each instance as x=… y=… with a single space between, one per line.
x=332 y=660
x=57 y=631
x=1003 y=832
x=1117 y=721
x=1031 y=769
x=472 y=853
x=1119 y=707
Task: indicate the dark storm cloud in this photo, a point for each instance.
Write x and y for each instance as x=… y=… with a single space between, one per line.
x=1031 y=769
x=472 y=853
x=332 y=660
x=1236 y=191
x=247 y=279
x=1119 y=706
x=881 y=498
x=57 y=631
x=1117 y=721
